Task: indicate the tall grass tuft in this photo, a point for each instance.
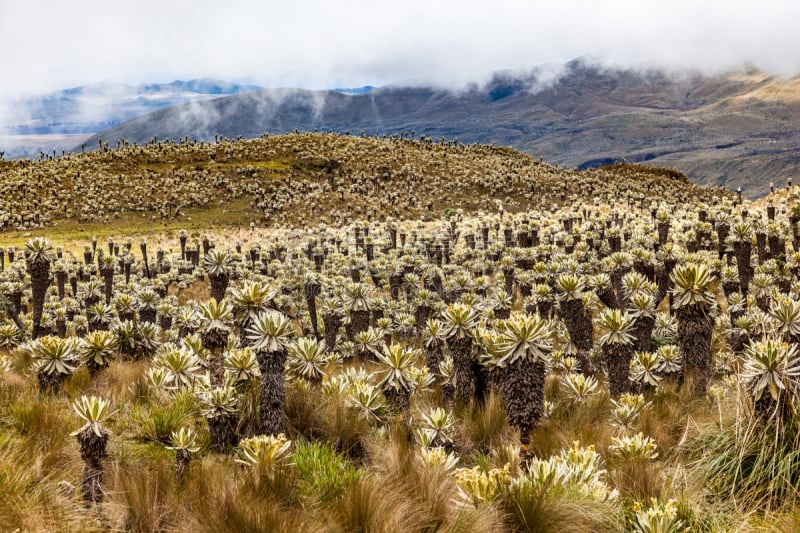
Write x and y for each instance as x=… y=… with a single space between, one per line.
x=43 y=422
x=750 y=462
x=143 y=492
x=587 y=421
x=634 y=472
x=370 y=505
x=312 y=415
x=216 y=497
x=31 y=498
x=126 y=381
x=226 y=506
x=158 y=421
x=322 y=473
x=249 y=419
x=400 y=491
x=542 y=510
x=483 y=426
x=78 y=383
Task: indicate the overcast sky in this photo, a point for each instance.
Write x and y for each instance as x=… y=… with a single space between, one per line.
x=49 y=45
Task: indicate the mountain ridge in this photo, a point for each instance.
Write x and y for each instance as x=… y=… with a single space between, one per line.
x=740 y=129
x=79 y=109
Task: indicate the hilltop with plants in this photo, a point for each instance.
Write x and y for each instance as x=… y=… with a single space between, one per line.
x=737 y=129
x=311 y=177
x=325 y=332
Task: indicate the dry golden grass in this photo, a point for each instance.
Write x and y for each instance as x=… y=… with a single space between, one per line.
x=198 y=291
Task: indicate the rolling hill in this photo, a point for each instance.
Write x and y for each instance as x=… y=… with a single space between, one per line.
x=737 y=130
x=301 y=179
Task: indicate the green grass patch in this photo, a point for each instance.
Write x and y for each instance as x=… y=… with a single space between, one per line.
x=72 y=235
x=322 y=473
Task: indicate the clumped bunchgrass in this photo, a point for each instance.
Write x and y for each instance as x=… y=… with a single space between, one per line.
x=637 y=480
x=39 y=468
x=585 y=422
x=322 y=473
x=44 y=424
x=34 y=496
x=142 y=492
x=752 y=464
x=541 y=509
x=221 y=503
x=483 y=426
x=249 y=423
x=399 y=492
x=159 y=420
x=125 y=381
x=314 y=415
x=78 y=383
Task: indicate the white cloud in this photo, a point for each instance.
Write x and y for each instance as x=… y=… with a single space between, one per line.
x=49 y=45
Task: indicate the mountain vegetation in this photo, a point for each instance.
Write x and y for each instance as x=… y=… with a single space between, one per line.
x=299 y=178
x=399 y=334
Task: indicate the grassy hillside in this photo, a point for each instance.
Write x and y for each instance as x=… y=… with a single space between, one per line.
x=285 y=180
x=719 y=130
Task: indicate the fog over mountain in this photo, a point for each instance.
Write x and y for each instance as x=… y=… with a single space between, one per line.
x=350 y=43
x=59 y=120
x=450 y=51
x=737 y=129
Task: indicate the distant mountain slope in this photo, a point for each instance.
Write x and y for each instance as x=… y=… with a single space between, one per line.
x=89 y=108
x=63 y=119
x=741 y=129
